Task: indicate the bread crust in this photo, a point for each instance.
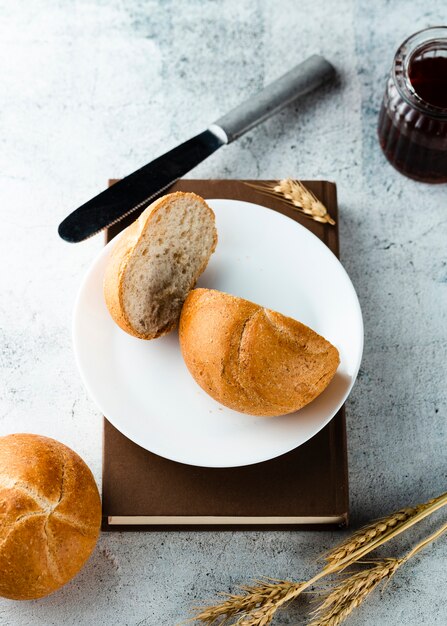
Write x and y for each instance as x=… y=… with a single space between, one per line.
x=122 y=253
x=50 y=514
x=252 y=359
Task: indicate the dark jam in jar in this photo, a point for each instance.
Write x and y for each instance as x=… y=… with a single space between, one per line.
x=413 y=119
x=428 y=77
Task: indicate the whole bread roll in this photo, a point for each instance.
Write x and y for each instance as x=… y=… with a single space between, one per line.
x=50 y=514
x=157 y=261
x=251 y=359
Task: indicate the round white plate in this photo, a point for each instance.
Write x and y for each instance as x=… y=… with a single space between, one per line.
x=144 y=388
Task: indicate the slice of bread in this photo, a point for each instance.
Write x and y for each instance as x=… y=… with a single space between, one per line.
x=157 y=261
x=252 y=359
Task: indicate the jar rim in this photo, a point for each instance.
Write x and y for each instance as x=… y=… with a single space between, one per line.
x=402 y=59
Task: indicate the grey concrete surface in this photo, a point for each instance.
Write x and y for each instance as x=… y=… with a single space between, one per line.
x=93 y=89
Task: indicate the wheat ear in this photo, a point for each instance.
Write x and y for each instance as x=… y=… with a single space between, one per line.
x=264 y=596
x=376 y=530
x=350 y=593
x=296 y=195
x=351 y=553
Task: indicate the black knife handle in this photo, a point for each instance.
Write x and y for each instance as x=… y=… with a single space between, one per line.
x=303 y=78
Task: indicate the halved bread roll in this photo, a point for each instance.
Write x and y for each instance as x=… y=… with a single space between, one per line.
x=251 y=359
x=157 y=262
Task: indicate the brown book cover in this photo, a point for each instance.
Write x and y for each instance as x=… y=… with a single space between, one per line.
x=305 y=488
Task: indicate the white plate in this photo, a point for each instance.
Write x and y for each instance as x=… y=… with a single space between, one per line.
x=144 y=388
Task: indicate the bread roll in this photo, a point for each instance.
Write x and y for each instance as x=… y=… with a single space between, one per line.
x=251 y=359
x=157 y=262
x=50 y=514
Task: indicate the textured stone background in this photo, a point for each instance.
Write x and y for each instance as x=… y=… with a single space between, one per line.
x=95 y=88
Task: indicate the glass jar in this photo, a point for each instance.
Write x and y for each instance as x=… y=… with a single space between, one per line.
x=413 y=118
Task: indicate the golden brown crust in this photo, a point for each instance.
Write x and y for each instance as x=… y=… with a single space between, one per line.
x=50 y=514
x=251 y=359
x=116 y=266
x=113 y=277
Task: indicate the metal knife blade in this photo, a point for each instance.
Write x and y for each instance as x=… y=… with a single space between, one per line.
x=138 y=189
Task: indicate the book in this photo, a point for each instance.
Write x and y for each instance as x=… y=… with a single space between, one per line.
x=305 y=488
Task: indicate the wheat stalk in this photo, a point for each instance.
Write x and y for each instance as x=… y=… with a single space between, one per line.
x=351 y=591
x=377 y=529
x=355 y=553
x=258 y=603
x=295 y=194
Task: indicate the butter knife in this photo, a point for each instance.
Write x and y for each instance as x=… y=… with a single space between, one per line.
x=134 y=192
